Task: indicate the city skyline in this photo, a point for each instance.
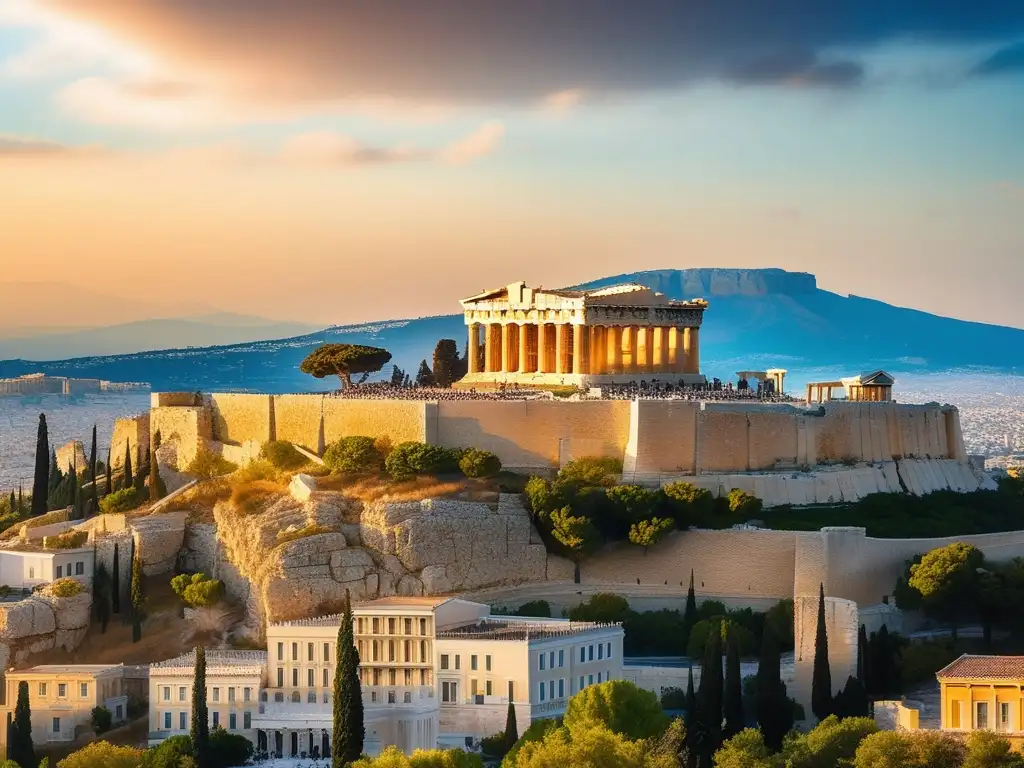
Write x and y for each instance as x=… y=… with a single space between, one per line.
x=343 y=164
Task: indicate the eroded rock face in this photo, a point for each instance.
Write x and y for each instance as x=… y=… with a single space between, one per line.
x=41 y=622
x=158 y=540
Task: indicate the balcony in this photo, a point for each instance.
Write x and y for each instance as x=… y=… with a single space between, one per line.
x=555 y=705
x=373 y=696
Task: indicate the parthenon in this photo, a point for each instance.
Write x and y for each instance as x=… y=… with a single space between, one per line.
x=532 y=336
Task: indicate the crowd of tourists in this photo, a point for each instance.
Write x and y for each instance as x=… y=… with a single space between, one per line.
x=389 y=391
x=712 y=391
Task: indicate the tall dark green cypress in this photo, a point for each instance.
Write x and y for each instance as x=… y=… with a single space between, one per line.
x=108 y=487
x=511 y=727
x=115 y=581
x=142 y=469
x=13 y=503
x=863 y=665
x=348 y=731
x=126 y=469
x=689 y=613
x=138 y=595
x=101 y=595
x=732 y=699
x=821 y=676
x=93 y=504
x=56 y=476
x=774 y=710
x=691 y=722
x=19 y=743
x=78 y=500
x=709 y=698
x=41 y=480
x=200 y=724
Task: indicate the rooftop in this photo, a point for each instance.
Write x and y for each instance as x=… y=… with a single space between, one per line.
x=970 y=667
x=511 y=629
x=236 y=661
x=66 y=669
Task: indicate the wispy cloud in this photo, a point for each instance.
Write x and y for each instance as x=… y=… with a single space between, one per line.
x=483 y=141
x=336 y=149
x=562 y=102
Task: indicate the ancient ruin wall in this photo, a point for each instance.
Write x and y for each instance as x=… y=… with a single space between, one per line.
x=723 y=440
x=662 y=437
x=395 y=420
x=134 y=431
x=298 y=419
x=188 y=428
x=238 y=418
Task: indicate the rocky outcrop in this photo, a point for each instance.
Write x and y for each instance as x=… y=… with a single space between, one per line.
x=158 y=540
x=42 y=622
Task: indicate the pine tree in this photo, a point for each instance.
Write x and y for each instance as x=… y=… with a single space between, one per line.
x=156 y=485
x=19 y=742
x=424 y=376
x=101 y=595
x=690 y=613
x=821 y=678
x=446 y=363
x=108 y=488
x=41 y=480
x=115 y=582
x=511 y=727
x=138 y=591
x=348 y=730
x=126 y=470
x=732 y=700
x=200 y=725
x=21 y=502
x=774 y=710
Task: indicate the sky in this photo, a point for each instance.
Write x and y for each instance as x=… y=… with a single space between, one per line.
x=338 y=162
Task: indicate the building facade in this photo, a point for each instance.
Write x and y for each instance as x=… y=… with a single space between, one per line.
x=625 y=333
x=432 y=670
x=983 y=693
x=62 y=698
x=27 y=568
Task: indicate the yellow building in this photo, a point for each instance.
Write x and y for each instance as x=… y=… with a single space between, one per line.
x=62 y=698
x=983 y=693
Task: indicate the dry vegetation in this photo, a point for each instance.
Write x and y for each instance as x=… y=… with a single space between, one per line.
x=313 y=529
x=371 y=488
x=249 y=498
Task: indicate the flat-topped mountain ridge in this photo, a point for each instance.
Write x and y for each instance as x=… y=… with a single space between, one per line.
x=756 y=318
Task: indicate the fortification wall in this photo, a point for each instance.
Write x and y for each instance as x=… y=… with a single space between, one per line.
x=187 y=428
x=238 y=418
x=134 y=431
x=72 y=455
x=299 y=419
x=662 y=437
x=535 y=433
x=395 y=420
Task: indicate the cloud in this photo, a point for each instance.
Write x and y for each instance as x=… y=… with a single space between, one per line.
x=330 y=148
x=1005 y=60
x=563 y=102
x=11 y=146
x=491 y=52
x=483 y=141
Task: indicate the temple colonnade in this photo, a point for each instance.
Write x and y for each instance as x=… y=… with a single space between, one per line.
x=572 y=348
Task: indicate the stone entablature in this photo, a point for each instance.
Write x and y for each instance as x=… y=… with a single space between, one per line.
x=622 y=333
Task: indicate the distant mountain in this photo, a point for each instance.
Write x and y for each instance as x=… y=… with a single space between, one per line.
x=756 y=318
x=147 y=335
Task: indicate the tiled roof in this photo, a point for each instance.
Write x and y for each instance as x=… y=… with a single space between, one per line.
x=969 y=667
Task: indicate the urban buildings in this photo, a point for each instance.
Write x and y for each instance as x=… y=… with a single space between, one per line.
x=983 y=693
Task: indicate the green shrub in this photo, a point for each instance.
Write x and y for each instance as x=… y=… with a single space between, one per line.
x=536 y=608
x=604 y=607
x=124 y=500
x=355 y=453
x=702 y=630
x=229 y=749
x=65 y=588
x=744 y=504
x=5 y=590
x=689 y=504
x=101 y=720
x=494 y=746
x=673 y=698
x=920 y=661
x=282 y=455
x=632 y=503
x=411 y=458
x=543 y=496
x=209 y=465
x=591 y=470
x=197 y=590
x=477 y=463
x=67 y=540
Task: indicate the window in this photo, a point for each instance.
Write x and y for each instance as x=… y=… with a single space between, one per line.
x=582 y=686
x=246 y=694
x=295 y=678
x=165 y=693
x=83 y=690
x=600 y=652
x=590 y=679
x=423 y=626
x=311 y=697
x=561 y=658
x=42 y=689
x=310 y=681
x=62 y=690
x=376 y=626
x=444 y=661
x=216 y=694
x=541 y=690
x=561 y=688
x=458 y=659
x=488 y=690
x=295 y=651
x=609 y=652
x=279 y=697
x=474 y=687
x=1004 y=716
x=79 y=568
x=583 y=654
x=982 y=718
x=309 y=652
x=590 y=653
x=511 y=690
x=327 y=652
x=551 y=660
x=246 y=721
x=232 y=722
x=540 y=661
x=473 y=662
x=231 y=694
x=280 y=651
x=449 y=692
x=487 y=662
x=391 y=650
x=326 y=683
x=598 y=677
x=551 y=689
x=182 y=718
x=31 y=572
x=167 y=722
x=216 y=719
x=182 y=693
x=60 y=571
x=280 y=678
x=408 y=626
x=391 y=626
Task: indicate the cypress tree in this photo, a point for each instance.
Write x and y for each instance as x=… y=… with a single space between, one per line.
x=689 y=614
x=821 y=679
x=200 y=725
x=138 y=591
x=13 y=503
x=709 y=698
x=156 y=486
x=78 y=502
x=732 y=700
x=774 y=710
x=348 y=732
x=93 y=506
x=511 y=727
x=41 y=480
x=142 y=470
x=115 y=582
x=126 y=469
x=109 y=486
x=101 y=595
x=691 y=721
x=19 y=743
x=56 y=476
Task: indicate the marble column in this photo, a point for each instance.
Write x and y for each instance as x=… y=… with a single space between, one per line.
x=580 y=342
x=597 y=355
x=646 y=347
x=474 y=348
x=660 y=348
x=672 y=344
x=542 y=348
x=629 y=350
x=693 y=359
x=490 y=354
x=507 y=363
x=615 y=349
x=524 y=348
x=561 y=348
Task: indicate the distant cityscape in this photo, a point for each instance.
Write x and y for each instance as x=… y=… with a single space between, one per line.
x=42 y=384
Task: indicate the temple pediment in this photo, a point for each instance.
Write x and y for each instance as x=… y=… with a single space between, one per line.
x=520 y=296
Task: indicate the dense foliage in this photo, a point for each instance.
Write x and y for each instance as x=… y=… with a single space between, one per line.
x=198 y=590
x=392 y=757
x=101 y=720
x=412 y=458
x=344 y=361
x=282 y=455
x=103 y=755
x=355 y=453
x=207 y=465
x=478 y=463
x=123 y=500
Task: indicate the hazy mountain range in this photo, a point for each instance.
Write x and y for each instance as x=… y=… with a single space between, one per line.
x=757 y=318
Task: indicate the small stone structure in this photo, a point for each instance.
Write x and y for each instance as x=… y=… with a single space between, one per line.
x=72 y=455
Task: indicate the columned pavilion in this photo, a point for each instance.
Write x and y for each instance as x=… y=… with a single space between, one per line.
x=533 y=336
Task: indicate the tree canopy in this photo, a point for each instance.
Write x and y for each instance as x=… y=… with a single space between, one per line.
x=345 y=361
x=620 y=706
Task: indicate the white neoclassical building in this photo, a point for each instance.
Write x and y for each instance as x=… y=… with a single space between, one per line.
x=620 y=334
x=433 y=671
